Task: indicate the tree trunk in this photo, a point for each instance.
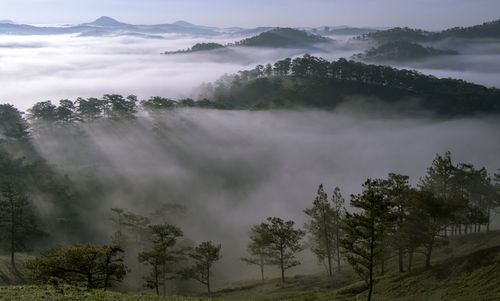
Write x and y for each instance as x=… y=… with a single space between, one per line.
x=12 y=258
x=410 y=260
x=428 y=255
x=262 y=267
x=208 y=280
x=327 y=244
x=338 y=249
x=157 y=281
x=282 y=264
x=382 y=266
x=400 y=259
x=370 y=269
x=488 y=224
x=12 y=235
x=89 y=280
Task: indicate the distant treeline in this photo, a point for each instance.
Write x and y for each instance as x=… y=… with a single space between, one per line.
x=275 y=38
x=304 y=82
x=485 y=30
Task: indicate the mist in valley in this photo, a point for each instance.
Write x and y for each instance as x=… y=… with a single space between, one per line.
x=38 y=68
x=232 y=169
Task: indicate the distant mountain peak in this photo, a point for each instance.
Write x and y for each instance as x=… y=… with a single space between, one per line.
x=183 y=23
x=6 y=22
x=105 y=21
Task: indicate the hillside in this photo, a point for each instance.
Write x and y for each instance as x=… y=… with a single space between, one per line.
x=312 y=82
x=274 y=38
x=466 y=269
x=401 y=51
x=198 y=47
x=65 y=292
x=283 y=38
x=485 y=30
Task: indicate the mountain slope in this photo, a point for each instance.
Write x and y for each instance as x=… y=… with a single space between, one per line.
x=466 y=269
x=401 y=51
x=485 y=30
x=105 y=21
x=283 y=37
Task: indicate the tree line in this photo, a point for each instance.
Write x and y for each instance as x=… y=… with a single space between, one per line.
x=388 y=219
x=306 y=81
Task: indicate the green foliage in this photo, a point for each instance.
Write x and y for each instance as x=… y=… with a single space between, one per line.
x=283 y=37
x=316 y=83
x=63 y=292
x=485 y=30
x=309 y=82
x=157 y=103
x=162 y=257
x=324 y=227
x=399 y=34
x=94 y=266
x=401 y=51
x=206 y=46
x=18 y=223
x=12 y=125
x=257 y=248
x=117 y=107
x=282 y=242
x=205 y=255
x=365 y=230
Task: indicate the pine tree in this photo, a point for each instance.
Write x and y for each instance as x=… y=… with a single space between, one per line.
x=365 y=230
x=257 y=248
x=324 y=227
x=162 y=255
x=283 y=242
x=17 y=220
x=205 y=255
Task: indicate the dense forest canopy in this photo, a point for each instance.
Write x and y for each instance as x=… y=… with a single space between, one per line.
x=309 y=82
x=401 y=51
x=280 y=37
x=283 y=37
x=485 y=30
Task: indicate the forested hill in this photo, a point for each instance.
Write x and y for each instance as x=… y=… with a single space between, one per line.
x=316 y=83
x=401 y=51
x=304 y=82
x=485 y=30
x=275 y=38
x=283 y=37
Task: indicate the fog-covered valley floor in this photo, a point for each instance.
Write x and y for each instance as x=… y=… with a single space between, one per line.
x=36 y=68
x=232 y=169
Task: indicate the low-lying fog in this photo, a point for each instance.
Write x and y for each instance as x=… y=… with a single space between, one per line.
x=37 y=68
x=232 y=169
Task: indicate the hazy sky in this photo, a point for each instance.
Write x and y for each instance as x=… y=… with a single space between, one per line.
x=428 y=14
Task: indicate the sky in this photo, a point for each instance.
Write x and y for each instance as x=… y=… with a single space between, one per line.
x=426 y=14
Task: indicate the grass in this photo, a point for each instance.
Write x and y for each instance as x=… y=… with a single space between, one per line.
x=468 y=268
x=71 y=293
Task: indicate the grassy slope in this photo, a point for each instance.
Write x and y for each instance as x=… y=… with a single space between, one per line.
x=8 y=275
x=33 y=293
x=466 y=269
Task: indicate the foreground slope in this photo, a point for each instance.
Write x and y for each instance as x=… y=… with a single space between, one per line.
x=466 y=269
x=48 y=292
